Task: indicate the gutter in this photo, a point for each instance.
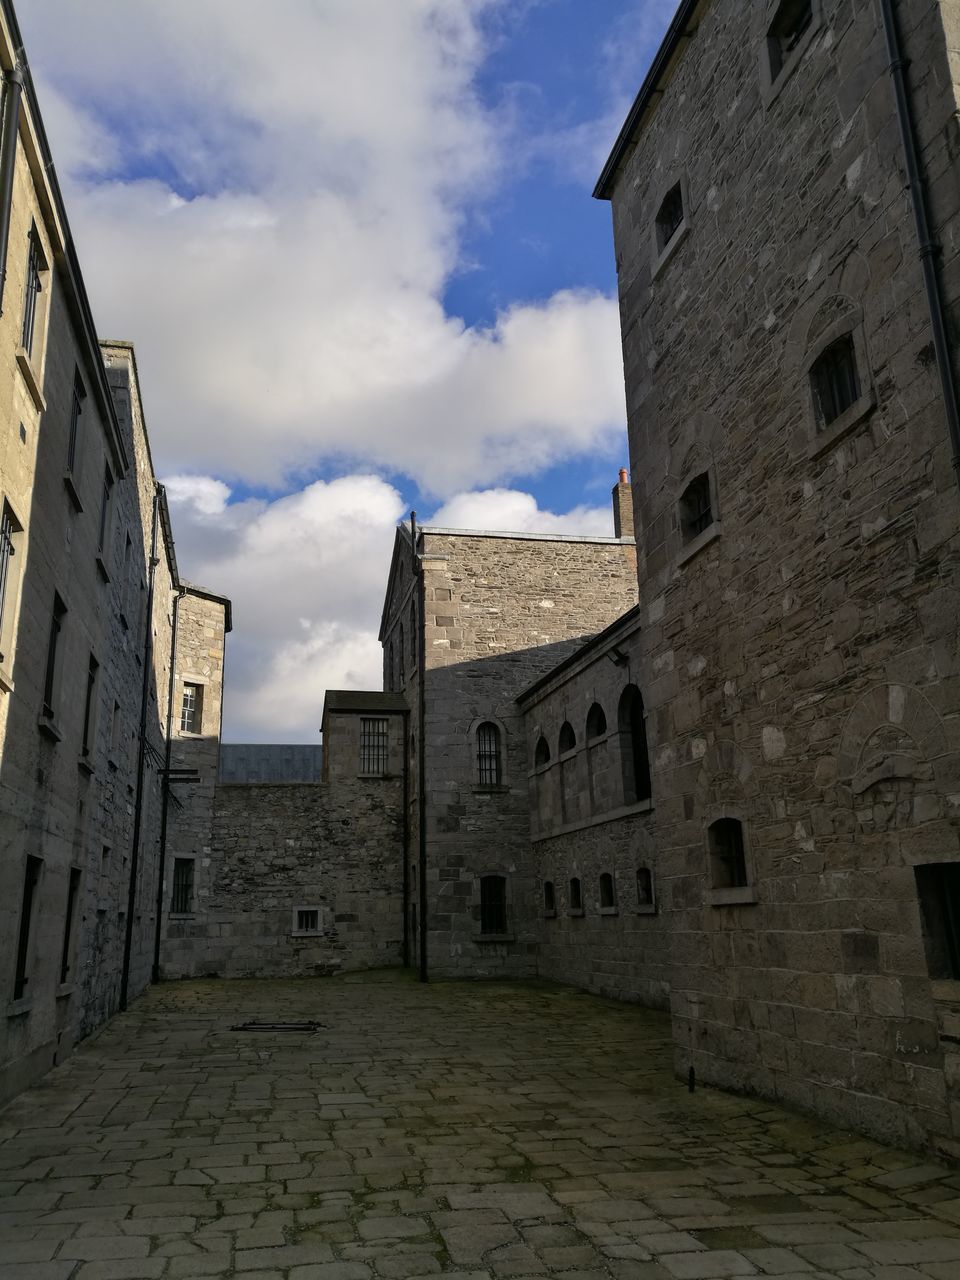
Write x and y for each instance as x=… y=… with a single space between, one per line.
x=12 y=93
x=930 y=249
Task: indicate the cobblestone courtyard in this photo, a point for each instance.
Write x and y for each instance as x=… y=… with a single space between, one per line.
x=482 y=1131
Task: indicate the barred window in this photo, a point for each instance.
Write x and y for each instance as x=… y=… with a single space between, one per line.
x=489 y=772
x=373 y=745
x=493 y=904
x=191 y=709
x=308 y=920
x=727 y=857
x=35 y=266
x=836 y=383
x=182 y=901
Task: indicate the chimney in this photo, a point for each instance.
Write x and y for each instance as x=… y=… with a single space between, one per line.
x=622 y=507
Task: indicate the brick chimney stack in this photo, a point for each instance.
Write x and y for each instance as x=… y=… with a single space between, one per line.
x=623 y=507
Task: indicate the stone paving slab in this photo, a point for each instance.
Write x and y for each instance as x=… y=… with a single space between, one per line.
x=470 y=1131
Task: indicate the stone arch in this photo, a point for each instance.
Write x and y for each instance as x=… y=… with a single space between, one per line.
x=890 y=732
x=727 y=777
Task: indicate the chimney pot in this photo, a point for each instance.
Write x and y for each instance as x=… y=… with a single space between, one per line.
x=623 y=507
x=623 y=475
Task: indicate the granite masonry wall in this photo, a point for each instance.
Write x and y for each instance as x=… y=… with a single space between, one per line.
x=799 y=654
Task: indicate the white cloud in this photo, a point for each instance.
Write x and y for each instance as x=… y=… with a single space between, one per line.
x=517 y=512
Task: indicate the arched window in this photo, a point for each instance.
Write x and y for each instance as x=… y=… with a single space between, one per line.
x=728 y=862
x=493 y=904
x=568 y=739
x=549 y=898
x=696 y=507
x=835 y=380
x=541 y=753
x=576 y=894
x=608 y=896
x=413 y=638
x=488 y=755
x=403 y=658
x=644 y=887
x=596 y=722
x=633 y=747
x=390 y=667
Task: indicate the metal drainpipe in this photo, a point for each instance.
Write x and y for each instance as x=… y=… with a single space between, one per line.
x=141 y=756
x=421 y=753
x=12 y=93
x=405 y=719
x=171 y=683
x=929 y=247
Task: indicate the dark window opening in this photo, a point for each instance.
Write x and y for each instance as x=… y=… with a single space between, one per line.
x=403 y=657
x=938 y=888
x=72 y=892
x=576 y=894
x=9 y=528
x=568 y=739
x=182 y=900
x=549 y=898
x=670 y=216
x=413 y=637
x=308 y=920
x=35 y=266
x=53 y=645
x=696 y=508
x=608 y=896
x=493 y=904
x=31 y=879
x=105 y=509
x=76 y=410
x=635 y=759
x=373 y=746
x=89 y=706
x=596 y=722
x=644 y=887
x=191 y=709
x=788 y=28
x=727 y=858
x=836 y=383
x=391 y=665
x=541 y=754
x=488 y=755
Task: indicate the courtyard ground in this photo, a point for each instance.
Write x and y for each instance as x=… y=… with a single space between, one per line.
x=482 y=1131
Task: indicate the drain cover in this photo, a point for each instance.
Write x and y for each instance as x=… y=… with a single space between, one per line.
x=306 y=1028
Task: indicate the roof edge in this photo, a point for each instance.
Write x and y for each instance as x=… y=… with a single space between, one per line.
x=625 y=621
x=192 y=589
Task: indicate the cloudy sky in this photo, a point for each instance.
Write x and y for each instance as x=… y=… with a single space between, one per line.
x=354 y=244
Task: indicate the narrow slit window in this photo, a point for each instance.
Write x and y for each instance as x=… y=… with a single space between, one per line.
x=727 y=856
x=549 y=898
x=608 y=895
x=31 y=881
x=73 y=891
x=89 y=707
x=493 y=904
x=76 y=412
x=373 y=746
x=36 y=265
x=568 y=739
x=576 y=894
x=696 y=508
x=105 y=497
x=489 y=769
x=52 y=671
x=10 y=530
x=191 y=709
x=596 y=722
x=541 y=753
x=670 y=216
x=789 y=26
x=836 y=382
x=401 y=649
x=634 y=753
x=644 y=887
x=181 y=902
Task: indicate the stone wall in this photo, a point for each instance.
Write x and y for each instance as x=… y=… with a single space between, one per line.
x=799 y=654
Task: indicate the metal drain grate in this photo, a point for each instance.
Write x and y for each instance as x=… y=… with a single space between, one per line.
x=306 y=1028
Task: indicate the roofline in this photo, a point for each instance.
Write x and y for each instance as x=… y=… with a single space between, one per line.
x=192 y=589
x=596 y=642
x=525 y=537
x=676 y=32
x=402 y=529
x=71 y=259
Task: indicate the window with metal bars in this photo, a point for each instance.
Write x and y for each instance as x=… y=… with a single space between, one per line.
x=489 y=771
x=52 y=671
x=191 y=709
x=89 y=707
x=73 y=890
x=31 y=881
x=76 y=411
x=791 y=22
x=727 y=858
x=836 y=383
x=181 y=902
x=696 y=508
x=373 y=745
x=670 y=216
x=308 y=920
x=9 y=529
x=938 y=888
x=36 y=265
x=493 y=904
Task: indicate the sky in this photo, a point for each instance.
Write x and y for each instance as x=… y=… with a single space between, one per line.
x=355 y=247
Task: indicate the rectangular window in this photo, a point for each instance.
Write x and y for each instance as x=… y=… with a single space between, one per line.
x=10 y=530
x=488 y=755
x=373 y=746
x=31 y=879
x=938 y=888
x=182 y=901
x=493 y=904
x=836 y=383
x=670 y=216
x=36 y=265
x=51 y=675
x=115 y=725
x=89 y=707
x=105 y=496
x=308 y=920
x=790 y=23
x=76 y=410
x=72 y=894
x=191 y=711
x=696 y=509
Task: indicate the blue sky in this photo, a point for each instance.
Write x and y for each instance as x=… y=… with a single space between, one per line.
x=363 y=271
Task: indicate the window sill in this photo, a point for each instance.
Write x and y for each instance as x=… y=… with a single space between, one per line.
x=102 y=569
x=307 y=933
x=697 y=544
x=85 y=766
x=495 y=937
x=65 y=991
x=549 y=915
x=576 y=913
x=19 y=1008
x=743 y=896
x=50 y=729
x=368 y=777
x=30 y=378
x=613 y=815
x=6 y=680
x=71 y=488
x=842 y=426
x=181 y=915
x=945 y=990
x=771 y=89
x=491 y=789
x=650 y=910
x=609 y=911
x=669 y=249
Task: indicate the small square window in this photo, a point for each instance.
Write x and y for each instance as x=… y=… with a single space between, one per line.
x=835 y=381
x=306 y=920
x=696 y=508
